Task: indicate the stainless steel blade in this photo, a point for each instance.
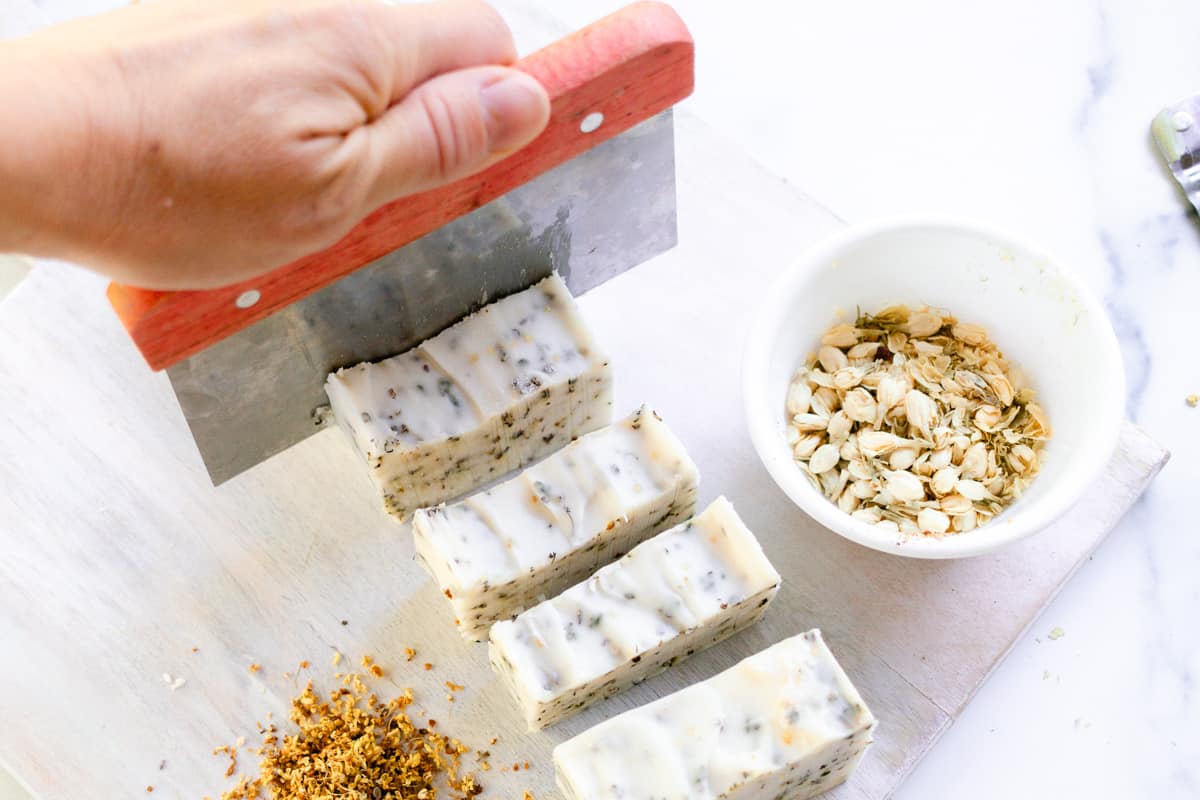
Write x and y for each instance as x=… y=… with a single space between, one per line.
x=254 y=394
x=1177 y=132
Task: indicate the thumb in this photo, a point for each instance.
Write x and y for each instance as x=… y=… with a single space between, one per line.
x=451 y=126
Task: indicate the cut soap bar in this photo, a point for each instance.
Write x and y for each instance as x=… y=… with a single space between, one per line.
x=518 y=379
x=785 y=722
x=500 y=551
x=679 y=592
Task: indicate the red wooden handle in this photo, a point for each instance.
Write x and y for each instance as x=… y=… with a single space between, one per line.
x=628 y=66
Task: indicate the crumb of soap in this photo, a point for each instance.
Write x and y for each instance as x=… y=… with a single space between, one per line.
x=149 y=789
x=366 y=661
x=256 y=668
x=409 y=654
x=528 y=795
x=493 y=740
x=345 y=622
x=303 y=665
x=337 y=657
x=377 y=670
x=1192 y=400
x=454 y=687
x=428 y=666
x=1057 y=633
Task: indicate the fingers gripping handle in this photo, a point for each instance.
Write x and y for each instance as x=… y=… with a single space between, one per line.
x=602 y=80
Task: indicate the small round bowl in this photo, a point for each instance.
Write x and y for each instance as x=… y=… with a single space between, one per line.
x=1039 y=315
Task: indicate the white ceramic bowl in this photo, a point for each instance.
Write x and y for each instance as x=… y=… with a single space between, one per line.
x=1039 y=315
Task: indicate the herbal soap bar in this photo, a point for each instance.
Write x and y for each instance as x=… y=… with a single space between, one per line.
x=500 y=551
x=679 y=592
x=785 y=722
x=518 y=379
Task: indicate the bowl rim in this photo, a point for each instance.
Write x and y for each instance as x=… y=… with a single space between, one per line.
x=1069 y=487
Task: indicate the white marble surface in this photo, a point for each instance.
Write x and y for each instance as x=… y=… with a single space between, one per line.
x=1033 y=116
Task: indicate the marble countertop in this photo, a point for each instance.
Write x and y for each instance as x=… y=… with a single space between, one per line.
x=1034 y=117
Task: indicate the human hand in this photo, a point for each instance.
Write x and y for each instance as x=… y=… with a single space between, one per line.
x=194 y=143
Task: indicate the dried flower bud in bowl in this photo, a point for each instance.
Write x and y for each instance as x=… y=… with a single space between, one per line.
x=932 y=388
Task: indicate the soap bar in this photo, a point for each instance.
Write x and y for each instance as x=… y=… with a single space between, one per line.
x=505 y=549
x=518 y=379
x=784 y=722
x=678 y=592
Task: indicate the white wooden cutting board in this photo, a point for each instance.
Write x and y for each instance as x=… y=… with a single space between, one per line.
x=117 y=557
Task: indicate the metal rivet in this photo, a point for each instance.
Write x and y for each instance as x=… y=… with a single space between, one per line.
x=248 y=298
x=591 y=122
x=1182 y=120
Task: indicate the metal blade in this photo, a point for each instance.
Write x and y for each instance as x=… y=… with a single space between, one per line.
x=609 y=209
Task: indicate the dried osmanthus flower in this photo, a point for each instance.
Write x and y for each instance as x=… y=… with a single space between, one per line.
x=356 y=746
x=915 y=422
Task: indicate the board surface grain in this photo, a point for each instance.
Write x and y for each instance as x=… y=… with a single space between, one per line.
x=120 y=557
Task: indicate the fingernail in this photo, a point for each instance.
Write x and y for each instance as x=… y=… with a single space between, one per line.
x=516 y=110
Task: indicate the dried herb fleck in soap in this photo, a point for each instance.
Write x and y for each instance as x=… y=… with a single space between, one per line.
x=915 y=422
x=515 y=381
x=671 y=596
x=501 y=551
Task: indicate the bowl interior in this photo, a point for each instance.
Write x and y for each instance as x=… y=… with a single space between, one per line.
x=1040 y=319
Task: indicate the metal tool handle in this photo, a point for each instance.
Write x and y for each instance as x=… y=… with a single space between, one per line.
x=1177 y=132
x=602 y=80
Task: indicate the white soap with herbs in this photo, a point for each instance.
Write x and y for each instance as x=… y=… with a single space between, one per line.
x=784 y=722
x=678 y=592
x=514 y=381
x=500 y=551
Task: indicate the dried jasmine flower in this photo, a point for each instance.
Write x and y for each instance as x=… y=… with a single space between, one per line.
x=913 y=421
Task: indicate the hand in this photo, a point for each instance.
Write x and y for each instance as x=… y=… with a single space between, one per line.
x=194 y=143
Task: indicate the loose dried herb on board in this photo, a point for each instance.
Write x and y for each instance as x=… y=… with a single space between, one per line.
x=354 y=746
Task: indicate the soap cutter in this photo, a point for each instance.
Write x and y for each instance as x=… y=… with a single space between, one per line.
x=591 y=197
